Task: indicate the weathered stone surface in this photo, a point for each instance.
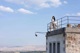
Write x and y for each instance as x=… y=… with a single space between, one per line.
x=72 y=30
x=72 y=43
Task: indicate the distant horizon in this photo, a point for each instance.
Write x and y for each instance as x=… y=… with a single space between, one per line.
x=24 y=48
x=22 y=45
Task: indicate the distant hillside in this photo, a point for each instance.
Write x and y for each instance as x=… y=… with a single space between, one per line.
x=25 y=48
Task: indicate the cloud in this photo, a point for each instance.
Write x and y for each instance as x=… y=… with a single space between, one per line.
x=44 y=5
x=73 y=14
x=68 y=14
x=6 y=9
x=38 y=3
x=16 y=1
x=78 y=13
x=25 y=11
x=55 y=3
x=65 y=2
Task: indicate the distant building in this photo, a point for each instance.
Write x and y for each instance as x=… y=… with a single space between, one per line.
x=65 y=39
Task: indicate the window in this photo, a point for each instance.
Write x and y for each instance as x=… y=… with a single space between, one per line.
x=58 y=47
x=50 y=48
x=54 y=48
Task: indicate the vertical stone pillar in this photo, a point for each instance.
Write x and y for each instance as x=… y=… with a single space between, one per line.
x=72 y=43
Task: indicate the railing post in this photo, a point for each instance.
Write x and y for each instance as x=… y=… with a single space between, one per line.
x=61 y=22
x=57 y=24
x=67 y=20
x=47 y=27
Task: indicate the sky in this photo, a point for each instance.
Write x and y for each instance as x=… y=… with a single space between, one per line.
x=20 y=19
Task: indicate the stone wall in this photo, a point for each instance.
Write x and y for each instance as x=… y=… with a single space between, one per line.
x=72 y=44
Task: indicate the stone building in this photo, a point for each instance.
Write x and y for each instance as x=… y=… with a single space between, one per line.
x=64 y=40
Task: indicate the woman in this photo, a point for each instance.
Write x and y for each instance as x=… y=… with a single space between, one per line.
x=53 y=24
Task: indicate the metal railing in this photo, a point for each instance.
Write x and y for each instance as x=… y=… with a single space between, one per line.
x=62 y=22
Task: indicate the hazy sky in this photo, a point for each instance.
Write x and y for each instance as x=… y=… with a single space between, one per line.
x=20 y=19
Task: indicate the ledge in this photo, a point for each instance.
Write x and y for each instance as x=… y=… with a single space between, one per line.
x=63 y=31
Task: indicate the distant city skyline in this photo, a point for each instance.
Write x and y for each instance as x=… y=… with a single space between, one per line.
x=20 y=19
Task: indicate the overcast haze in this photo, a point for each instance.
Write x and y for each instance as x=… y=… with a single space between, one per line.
x=20 y=19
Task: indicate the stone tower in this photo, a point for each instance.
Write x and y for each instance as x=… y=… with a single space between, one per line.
x=63 y=40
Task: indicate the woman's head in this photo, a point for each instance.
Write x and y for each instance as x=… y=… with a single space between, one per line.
x=53 y=17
